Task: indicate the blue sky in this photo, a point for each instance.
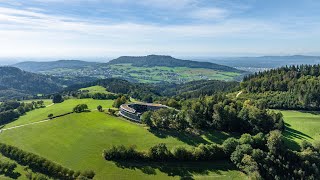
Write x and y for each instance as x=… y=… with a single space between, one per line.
x=110 y=28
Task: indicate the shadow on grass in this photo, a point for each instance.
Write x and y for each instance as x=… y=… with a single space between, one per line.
x=185 y=137
x=291 y=144
x=219 y=136
x=183 y=170
x=12 y=175
x=311 y=112
x=292 y=133
x=191 y=139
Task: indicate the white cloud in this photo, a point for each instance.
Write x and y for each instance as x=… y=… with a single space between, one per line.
x=209 y=13
x=30 y=33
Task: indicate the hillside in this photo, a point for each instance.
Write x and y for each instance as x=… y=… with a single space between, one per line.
x=294 y=87
x=168 y=61
x=16 y=83
x=34 y=66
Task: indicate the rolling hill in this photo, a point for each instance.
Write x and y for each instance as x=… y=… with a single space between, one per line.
x=16 y=83
x=168 y=61
x=34 y=66
x=146 y=69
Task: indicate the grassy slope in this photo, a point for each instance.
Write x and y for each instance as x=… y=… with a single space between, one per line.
x=56 y=109
x=177 y=74
x=77 y=141
x=96 y=89
x=301 y=126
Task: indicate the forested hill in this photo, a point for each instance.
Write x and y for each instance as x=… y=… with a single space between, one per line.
x=294 y=87
x=15 y=83
x=168 y=61
x=34 y=66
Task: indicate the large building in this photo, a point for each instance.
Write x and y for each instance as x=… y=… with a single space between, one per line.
x=135 y=110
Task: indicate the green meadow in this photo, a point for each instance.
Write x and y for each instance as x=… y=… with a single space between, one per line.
x=301 y=126
x=95 y=89
x=77 y=141
x=57 y=109
x=170 y=74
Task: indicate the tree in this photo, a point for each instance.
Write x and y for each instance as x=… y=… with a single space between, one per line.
x=80 y=108
x=146 y=118
x=275 y=141
x=229 y=145
x=99 y=108
x=119 y=101
x=57 y=98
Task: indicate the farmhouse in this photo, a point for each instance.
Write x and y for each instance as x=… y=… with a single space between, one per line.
x=135 y=110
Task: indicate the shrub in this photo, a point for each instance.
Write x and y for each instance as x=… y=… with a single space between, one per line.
x=229 y=145
x=159 y=152
x=181 y=153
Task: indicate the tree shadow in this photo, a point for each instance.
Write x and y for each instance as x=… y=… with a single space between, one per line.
x=311 y=112
x=218 y=136
x=292 y=133
x=205 y=137
x=185 y=137
x=12 y=175
x=291 y=144
x=182 y=170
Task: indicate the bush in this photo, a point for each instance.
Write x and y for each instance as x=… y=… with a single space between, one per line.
x=159 y=152
x=181 y=153
x=80 y=108
x=122 y=153
x=229 y=145
x=57 y=98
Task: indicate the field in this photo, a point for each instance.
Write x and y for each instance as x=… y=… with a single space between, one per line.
x=169 y=74
x=77 y=141
x=301 y=126
x=95 y=89
x=57 y=109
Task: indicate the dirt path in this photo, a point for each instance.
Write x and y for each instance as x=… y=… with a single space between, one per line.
x=238 y=94
x=14 y=127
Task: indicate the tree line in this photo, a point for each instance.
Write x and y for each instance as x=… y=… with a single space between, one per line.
x=42 y=165
x=216 y=112
x=11 y=110
x=297 y=87
x=262 y=156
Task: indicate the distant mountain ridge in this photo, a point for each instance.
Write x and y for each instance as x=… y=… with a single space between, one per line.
x=168 y=61
x=34 y=66
x=266 y=61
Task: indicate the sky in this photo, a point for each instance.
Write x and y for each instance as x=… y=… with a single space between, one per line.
x=111 y=28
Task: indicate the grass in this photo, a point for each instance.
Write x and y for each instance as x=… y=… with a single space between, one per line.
x=77 y=141
x=96 y=89
x=301 y=126
x=56 y=109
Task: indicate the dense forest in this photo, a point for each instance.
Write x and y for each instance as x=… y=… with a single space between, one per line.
x=154 y=92
x=168 y=61
x=18 y=82
x=294 y=87
x=260 y=156
x=216 y=112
